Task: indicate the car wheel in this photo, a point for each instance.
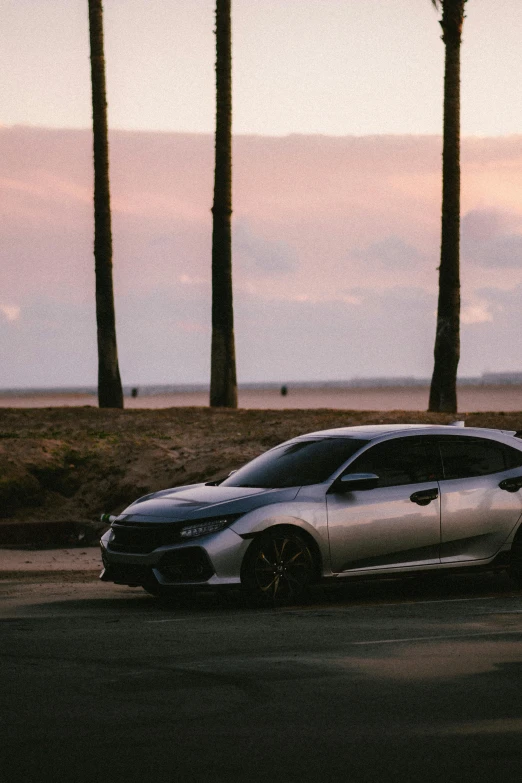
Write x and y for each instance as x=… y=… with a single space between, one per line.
x=515 y=569
x=278 y=568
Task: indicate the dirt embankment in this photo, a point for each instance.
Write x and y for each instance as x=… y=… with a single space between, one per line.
x=60 y=468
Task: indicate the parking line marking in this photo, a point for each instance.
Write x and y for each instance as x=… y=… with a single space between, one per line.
x=505 y=611
x=437 y=638
x=181 y=619
x=444 y=601
x=437 y=601
x=334 y=608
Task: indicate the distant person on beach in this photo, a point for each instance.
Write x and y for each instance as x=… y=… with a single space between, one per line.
x=134 y=391
x=284 y=391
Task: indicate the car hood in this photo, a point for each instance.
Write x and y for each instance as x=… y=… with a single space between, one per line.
x=199 y=500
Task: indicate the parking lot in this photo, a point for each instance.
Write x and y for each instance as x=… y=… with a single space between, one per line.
x=386 y=681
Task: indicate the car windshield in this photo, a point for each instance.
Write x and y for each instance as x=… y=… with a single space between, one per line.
x=296 y=464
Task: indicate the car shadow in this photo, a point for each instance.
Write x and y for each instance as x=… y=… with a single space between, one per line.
x=426 y=587
x=135 y=601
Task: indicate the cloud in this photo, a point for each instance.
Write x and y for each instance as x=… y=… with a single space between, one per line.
x=193 y=327
x=10 y=312
x=336 y=244
x=354 y=299
x=192 y=280
x=476 y=313
x=260 y=255
x=391 y=334
x=491 y=238
x=392 y=251
x=493 y=345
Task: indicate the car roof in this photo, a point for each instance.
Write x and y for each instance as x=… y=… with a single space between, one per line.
x=372 y=431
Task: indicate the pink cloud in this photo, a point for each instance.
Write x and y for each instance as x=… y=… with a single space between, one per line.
x=320 y=225
x=193 y=327
x=304 y=207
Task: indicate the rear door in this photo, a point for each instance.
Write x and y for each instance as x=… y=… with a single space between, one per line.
x=395 y=525
x=477 y=513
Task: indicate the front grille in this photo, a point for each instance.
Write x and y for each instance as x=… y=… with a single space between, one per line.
x=143 y=537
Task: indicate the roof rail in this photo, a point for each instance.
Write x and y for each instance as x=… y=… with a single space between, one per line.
x=457 y=424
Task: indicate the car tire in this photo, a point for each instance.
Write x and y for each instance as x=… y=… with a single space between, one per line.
x=278 y=567
x=515 y=568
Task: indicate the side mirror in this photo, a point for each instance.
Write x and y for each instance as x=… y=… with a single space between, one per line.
x=349 y=482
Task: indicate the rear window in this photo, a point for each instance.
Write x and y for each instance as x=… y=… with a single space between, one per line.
x=469 y=457
x=296 y=464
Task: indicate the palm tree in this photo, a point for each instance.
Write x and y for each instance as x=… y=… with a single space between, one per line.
x=223 y=383
x=110 y=394
x=443 y=392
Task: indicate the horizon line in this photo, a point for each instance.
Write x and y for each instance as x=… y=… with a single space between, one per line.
x=293 y=134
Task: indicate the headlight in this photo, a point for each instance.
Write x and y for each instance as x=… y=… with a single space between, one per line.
x=206 y=526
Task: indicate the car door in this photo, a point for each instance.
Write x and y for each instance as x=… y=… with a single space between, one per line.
x=396 y=524
x=480 y=503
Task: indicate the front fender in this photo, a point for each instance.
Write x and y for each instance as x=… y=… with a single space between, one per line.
x=311 y=519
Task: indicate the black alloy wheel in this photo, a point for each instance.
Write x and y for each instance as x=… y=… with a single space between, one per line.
x=278 y=568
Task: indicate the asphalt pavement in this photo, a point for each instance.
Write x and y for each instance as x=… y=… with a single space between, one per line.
x=391 y=681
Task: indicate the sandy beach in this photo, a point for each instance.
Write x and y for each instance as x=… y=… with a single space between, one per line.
x=376 y=398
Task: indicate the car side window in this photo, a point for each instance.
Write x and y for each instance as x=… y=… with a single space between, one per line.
x=399 y=461
x=470 y=457
x=513 y=457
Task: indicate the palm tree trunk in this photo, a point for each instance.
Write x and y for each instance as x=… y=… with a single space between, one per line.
x=110 y=394
x=443 y=392
x=223 y=383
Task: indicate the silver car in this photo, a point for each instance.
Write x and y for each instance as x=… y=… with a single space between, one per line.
x=333 y=505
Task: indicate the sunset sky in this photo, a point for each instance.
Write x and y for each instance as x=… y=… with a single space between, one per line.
x=337 y=116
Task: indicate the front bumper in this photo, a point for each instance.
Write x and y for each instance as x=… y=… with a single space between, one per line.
x=211 y=560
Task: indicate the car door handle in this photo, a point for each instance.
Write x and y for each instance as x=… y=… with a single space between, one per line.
x=424 y=496
x=511 y=484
